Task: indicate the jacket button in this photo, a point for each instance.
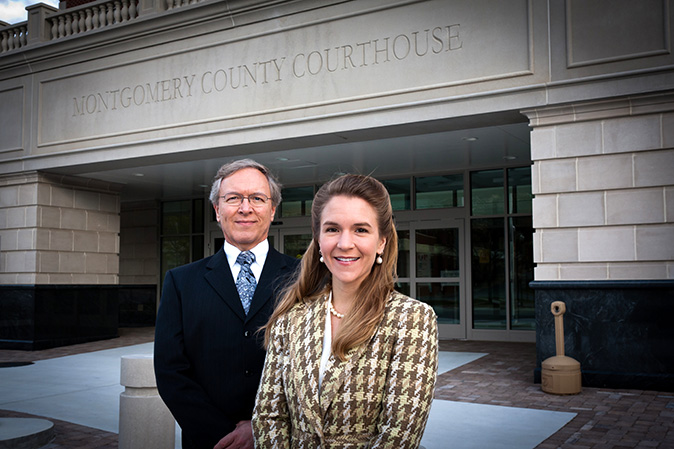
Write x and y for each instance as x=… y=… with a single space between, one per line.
x=246 y=334
x=247 y=372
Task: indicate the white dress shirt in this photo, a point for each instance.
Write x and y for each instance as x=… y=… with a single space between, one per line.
x=260 y=251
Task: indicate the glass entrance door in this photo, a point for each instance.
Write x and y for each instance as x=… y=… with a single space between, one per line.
x=294 y=241
x=431 y=269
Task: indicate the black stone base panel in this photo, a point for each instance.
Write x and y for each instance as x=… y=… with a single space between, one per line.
x=621 y=332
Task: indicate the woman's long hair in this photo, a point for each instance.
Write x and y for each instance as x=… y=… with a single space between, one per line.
x=314 y=279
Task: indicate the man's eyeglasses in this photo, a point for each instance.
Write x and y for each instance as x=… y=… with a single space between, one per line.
x=255 y=199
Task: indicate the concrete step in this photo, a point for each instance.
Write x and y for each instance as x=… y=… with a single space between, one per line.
x=25 y=433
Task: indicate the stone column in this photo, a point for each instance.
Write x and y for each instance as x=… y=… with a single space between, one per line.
x=59 y=260
x=58 y=230
x=38 y=26
x=603 y=180
x=603 y=213
x=139 y=243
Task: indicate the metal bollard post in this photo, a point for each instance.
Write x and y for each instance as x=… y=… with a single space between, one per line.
x=144 y=420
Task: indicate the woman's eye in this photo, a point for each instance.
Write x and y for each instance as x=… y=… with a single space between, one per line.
x=361 y=230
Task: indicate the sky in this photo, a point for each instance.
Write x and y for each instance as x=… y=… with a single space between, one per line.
x=14 y=11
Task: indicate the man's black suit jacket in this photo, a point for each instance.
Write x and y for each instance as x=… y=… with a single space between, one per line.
x=208 y=355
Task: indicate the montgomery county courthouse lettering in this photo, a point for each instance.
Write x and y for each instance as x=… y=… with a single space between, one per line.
x=528 y=147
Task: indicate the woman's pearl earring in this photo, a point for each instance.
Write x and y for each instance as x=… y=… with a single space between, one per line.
x=379 y=259
x=321 y=259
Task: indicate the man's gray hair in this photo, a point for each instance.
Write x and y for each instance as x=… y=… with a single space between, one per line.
x=232 y=167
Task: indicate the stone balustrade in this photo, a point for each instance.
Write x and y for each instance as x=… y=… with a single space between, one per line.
x=91 y=16
x=46 y=23
x=173 y=4
x=13 y=37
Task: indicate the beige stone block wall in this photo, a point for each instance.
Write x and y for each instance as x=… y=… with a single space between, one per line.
x=58 y=230
x=139 y=244
x=603 y=184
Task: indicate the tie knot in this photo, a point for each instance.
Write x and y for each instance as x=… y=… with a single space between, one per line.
x=245 y=258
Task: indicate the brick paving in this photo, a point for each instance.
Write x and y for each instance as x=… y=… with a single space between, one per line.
x=606 y=418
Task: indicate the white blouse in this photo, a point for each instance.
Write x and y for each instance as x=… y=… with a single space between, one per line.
x=327 y=344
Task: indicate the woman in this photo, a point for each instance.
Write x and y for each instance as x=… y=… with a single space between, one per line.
x=350 y=362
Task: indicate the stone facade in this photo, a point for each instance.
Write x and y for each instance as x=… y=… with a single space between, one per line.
x=139 y=249
x=58 y=230
x=106 y=89
x=603 y=182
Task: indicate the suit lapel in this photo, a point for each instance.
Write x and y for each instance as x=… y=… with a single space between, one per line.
x=219 y=276
x=337 y=371
x=306 y=355
x=336 y=374
x=264 y=291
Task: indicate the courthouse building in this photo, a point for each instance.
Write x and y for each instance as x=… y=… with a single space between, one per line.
x=528 y=146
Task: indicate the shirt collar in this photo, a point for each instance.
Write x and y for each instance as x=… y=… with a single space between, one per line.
x=260 y=251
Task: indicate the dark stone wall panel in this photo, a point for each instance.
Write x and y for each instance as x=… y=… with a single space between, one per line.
x=620 y=332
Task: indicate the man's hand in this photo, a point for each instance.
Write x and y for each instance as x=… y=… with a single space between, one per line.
x=239 y=438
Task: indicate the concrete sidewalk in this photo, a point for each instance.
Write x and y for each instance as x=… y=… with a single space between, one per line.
x=485 y=398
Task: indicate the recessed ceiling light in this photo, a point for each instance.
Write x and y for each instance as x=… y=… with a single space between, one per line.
x=509 y=158
x=469 y=139
x=138 y=174
x=282 y=159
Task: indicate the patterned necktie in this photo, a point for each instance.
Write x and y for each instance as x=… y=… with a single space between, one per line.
x=245 y=281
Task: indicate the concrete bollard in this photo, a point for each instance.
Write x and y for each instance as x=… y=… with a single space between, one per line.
x=144 y=420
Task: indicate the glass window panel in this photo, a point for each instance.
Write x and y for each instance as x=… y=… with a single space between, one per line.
x=487 y=192
x=198 y=246
x=435 y=192
x=219 y=243
x=295 y=245
x=175 y=251
x=488 y=273
x=297 y=201
x=399 y=191
x=443 y=297
x=437 y=252
x=403 y=287
x=521 y=273
x=176 y=217
x=403 y=254
x=519 y=190
x=198 y=216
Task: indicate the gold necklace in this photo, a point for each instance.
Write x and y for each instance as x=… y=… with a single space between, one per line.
x=332 y=309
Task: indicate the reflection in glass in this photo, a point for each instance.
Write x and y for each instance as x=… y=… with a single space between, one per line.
x=443 y=297
x=435 y=192
x=437 y=252
x=198 y=246
x=175 y=251
x=403 y=287
x=297 y=201
x=519 y=190
x=295 y=245
x=403 y=254
x=486 y=192
x=176 y=217
x=488 y=273
x=399 y=191
x=198 y=216
x=521 y=273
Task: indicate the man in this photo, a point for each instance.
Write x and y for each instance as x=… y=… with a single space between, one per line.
x=208 y=354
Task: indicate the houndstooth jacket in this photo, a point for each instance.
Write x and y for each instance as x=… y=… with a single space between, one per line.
x=380 y=397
